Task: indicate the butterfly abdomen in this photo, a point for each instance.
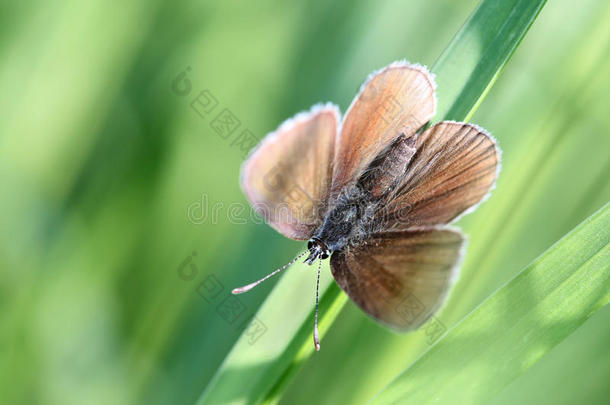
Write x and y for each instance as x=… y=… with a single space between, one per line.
x=388 y=169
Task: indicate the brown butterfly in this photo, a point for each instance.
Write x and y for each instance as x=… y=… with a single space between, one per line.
x=375 y=192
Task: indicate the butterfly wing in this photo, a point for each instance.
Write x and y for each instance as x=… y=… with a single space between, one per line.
x=398 y=99
x=454 y=167
x=400 y=278
x=287 y=177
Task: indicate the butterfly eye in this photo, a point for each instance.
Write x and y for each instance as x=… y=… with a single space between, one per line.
x=309 y=244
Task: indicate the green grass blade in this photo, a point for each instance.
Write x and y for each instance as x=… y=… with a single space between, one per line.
x=517 y=325
x=470 y=64
x=464 y=73
x=252 y=370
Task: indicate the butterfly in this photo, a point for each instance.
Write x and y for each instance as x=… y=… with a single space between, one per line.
x=375 y=193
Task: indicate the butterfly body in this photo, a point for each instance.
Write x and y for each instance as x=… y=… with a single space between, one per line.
x=357 y=211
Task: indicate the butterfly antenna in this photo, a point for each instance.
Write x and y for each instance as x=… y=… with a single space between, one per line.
x=316 y=334
x=254 y=284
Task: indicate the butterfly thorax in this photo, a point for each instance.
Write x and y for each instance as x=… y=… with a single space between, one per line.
x=349 y=221
x=355 y=215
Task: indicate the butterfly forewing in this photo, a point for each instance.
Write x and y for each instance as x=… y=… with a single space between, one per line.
x=287 y=178
x=398 y=99
x=400 y=278
x=454 y=167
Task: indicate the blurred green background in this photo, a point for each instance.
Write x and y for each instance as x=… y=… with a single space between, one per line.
x=118 y=199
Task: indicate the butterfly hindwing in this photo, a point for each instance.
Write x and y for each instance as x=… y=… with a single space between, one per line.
x=400 y=278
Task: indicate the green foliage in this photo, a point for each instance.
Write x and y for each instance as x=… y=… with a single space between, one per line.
x=103 y=167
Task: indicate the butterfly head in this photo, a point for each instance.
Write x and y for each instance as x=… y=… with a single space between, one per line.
x=317 y=250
